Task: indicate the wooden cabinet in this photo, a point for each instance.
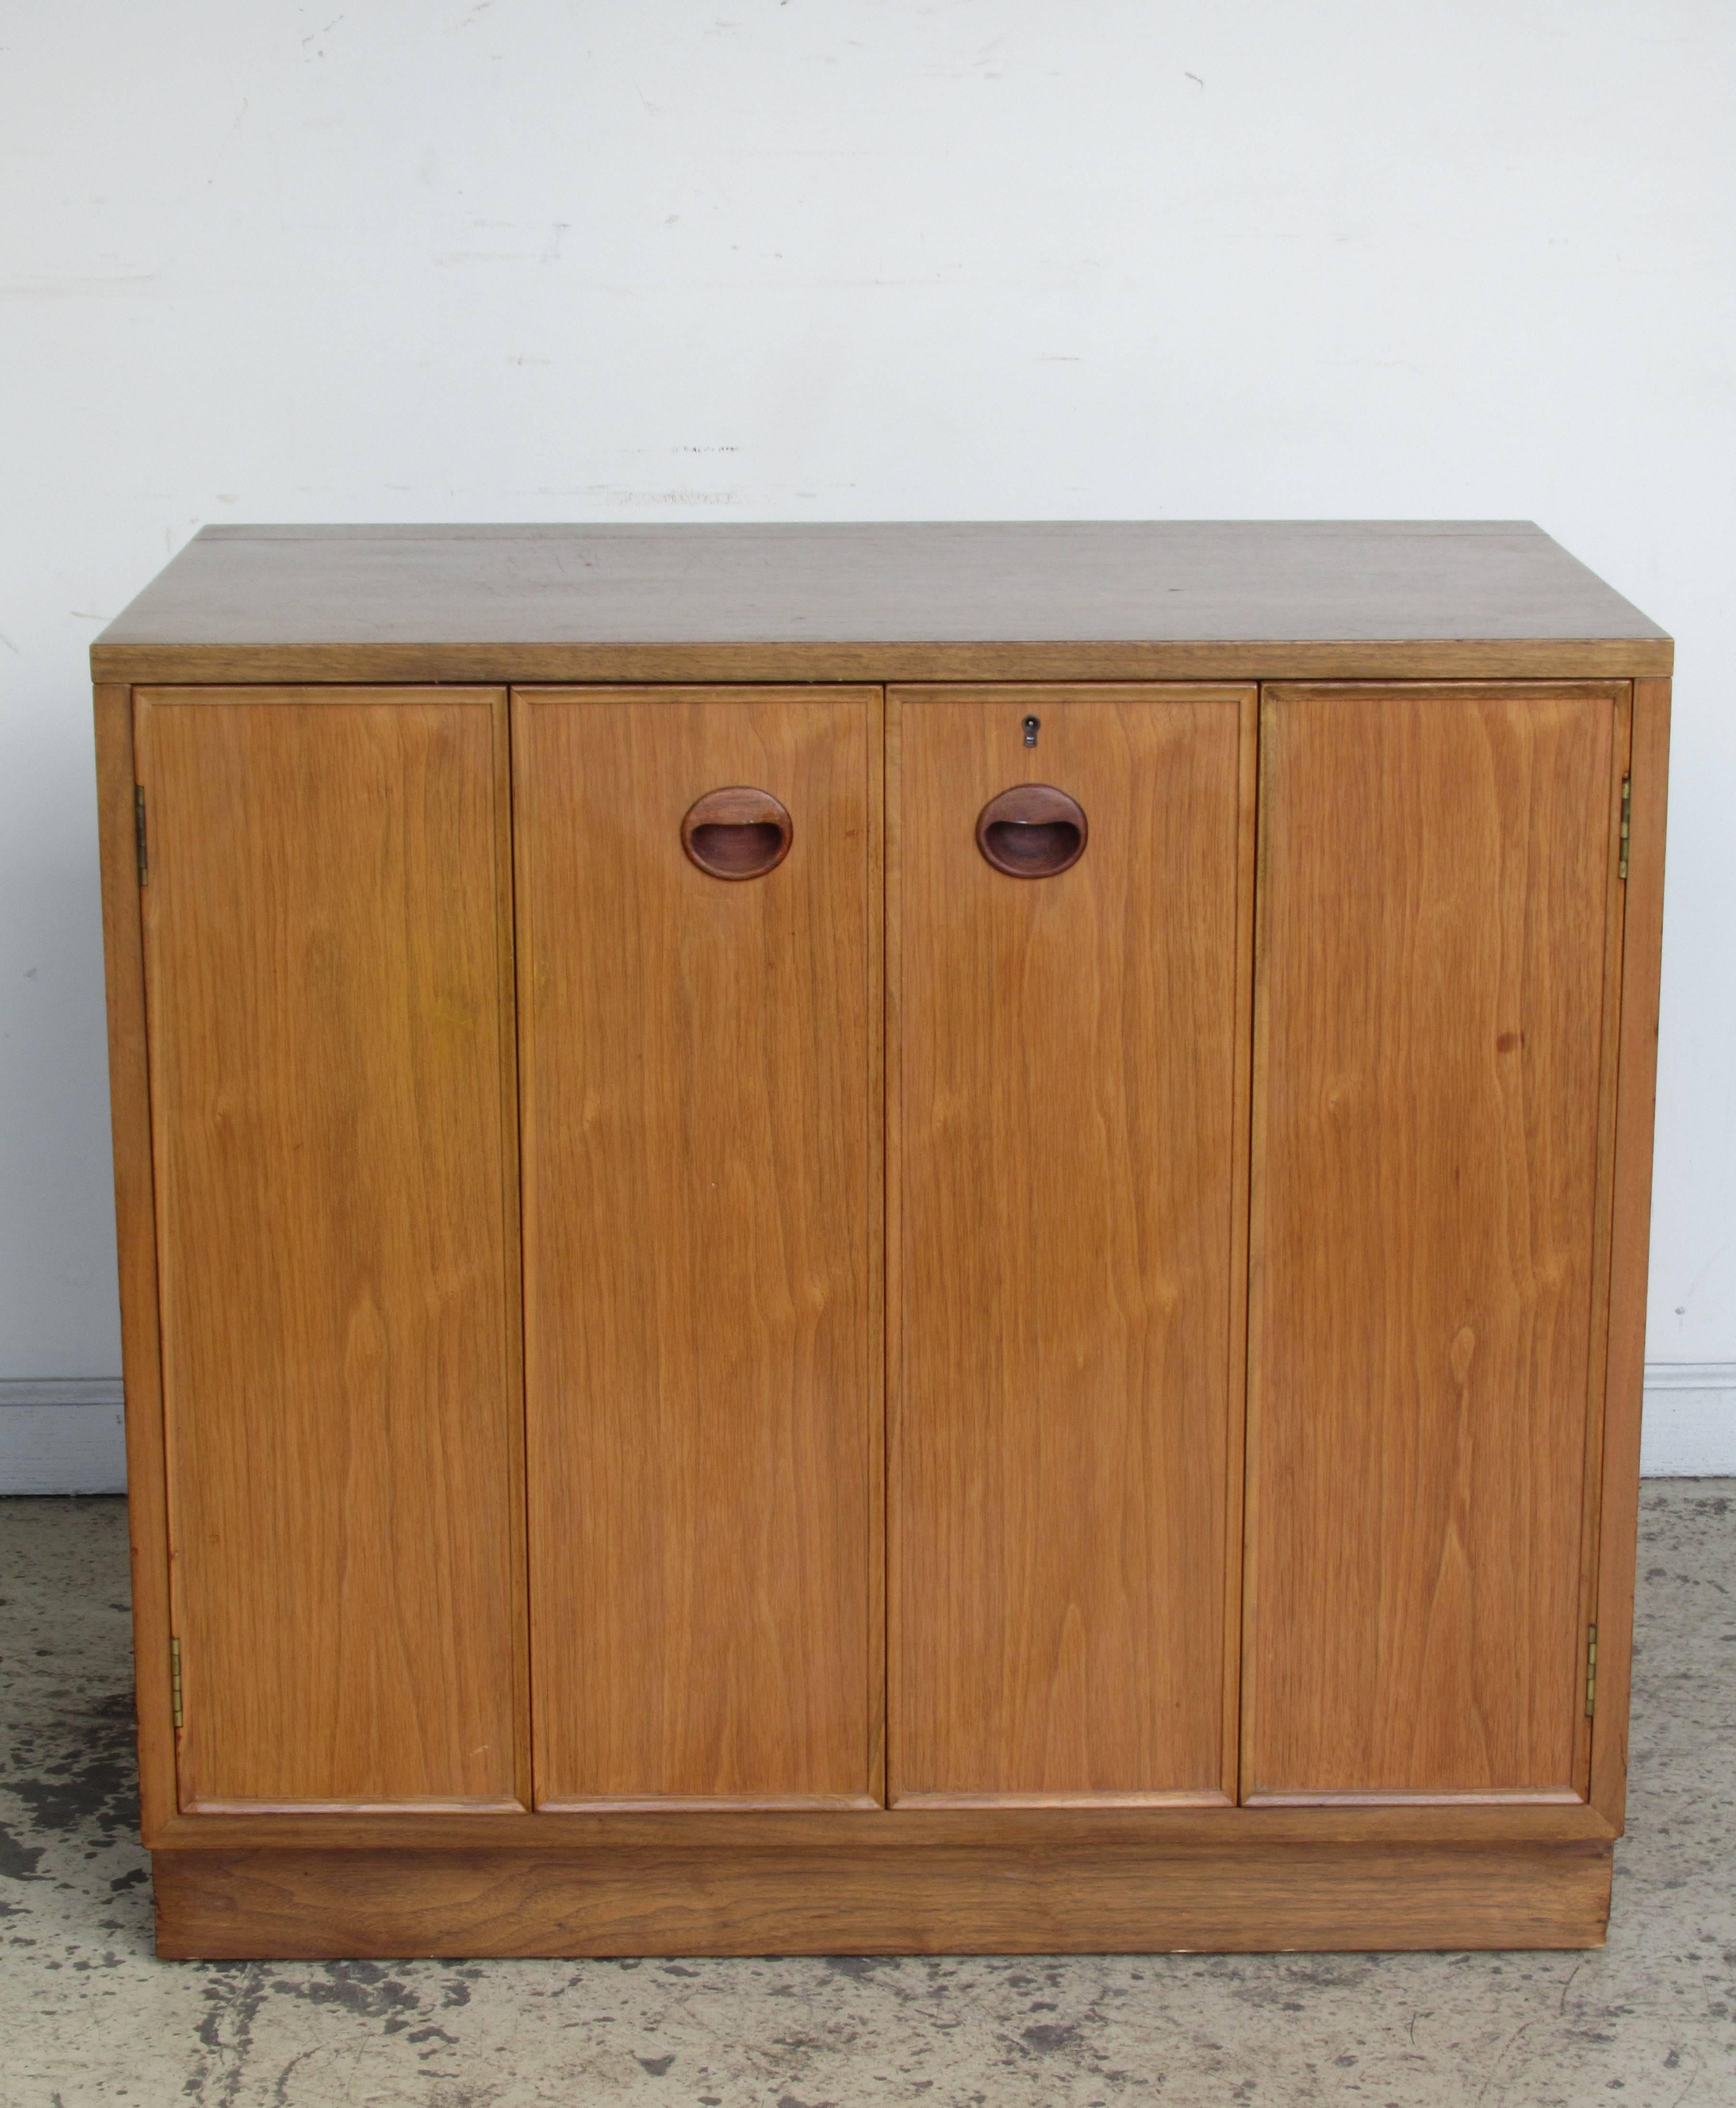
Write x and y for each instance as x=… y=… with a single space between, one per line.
x=882 y=1239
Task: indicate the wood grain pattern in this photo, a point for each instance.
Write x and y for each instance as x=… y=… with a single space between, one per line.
x=1061 y=1437
x=1235 y=1489
x=877 y=601
x=878 y=1270
x=698 y=1059
x=596 y=1827
x=1431 y=997
x=135 y=1227
x=1398 y=659
x=1641 y=959
x=394 y=1905
x=1602 y=1226
x=893 y=1186
x=329 y=1049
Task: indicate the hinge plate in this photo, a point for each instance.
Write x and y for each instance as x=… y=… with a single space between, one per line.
x=138 y=832
x=174 y=1681
x=1627 y=817
x=1591 y=1671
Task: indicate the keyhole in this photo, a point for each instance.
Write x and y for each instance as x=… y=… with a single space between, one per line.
x=1033 y=726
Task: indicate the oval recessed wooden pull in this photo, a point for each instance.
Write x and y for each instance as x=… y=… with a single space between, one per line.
x=737 y=832
x=1032 y=831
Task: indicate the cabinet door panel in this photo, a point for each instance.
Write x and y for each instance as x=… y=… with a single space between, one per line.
x=329 y=987
x=1436 y=988
x=1065 y=1463
x=702 y=1120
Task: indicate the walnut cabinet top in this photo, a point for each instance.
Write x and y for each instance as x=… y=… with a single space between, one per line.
x=1231 y=599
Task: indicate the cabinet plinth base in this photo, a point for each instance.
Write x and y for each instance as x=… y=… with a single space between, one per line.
x=399 y=1905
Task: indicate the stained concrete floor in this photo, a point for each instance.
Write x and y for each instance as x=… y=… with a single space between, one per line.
x=88 y=2016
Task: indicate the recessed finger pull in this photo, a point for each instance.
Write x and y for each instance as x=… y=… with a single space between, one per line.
x=1032 y=831
x=736 y=832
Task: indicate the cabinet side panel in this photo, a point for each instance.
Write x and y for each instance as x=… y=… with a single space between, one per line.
x=1067 y=1063
x=326 y=1045
x=135 y=1228
x=1636 y=1097
x=699 y=1060
x=1435 y=891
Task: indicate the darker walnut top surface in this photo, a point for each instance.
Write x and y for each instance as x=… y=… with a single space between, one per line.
x=1064 y=599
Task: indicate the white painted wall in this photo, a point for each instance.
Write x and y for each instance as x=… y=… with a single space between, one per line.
x=530 y=260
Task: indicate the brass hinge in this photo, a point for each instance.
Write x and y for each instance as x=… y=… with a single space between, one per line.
x=174 y=1681
x=1591 y=1670
x=1627 y=815
x=138 y=832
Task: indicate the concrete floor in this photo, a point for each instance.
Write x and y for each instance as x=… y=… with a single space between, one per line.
x=88 y=2016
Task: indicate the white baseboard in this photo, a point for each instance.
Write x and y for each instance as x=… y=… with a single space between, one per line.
x=1689 y=1428
x=63 y=1435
